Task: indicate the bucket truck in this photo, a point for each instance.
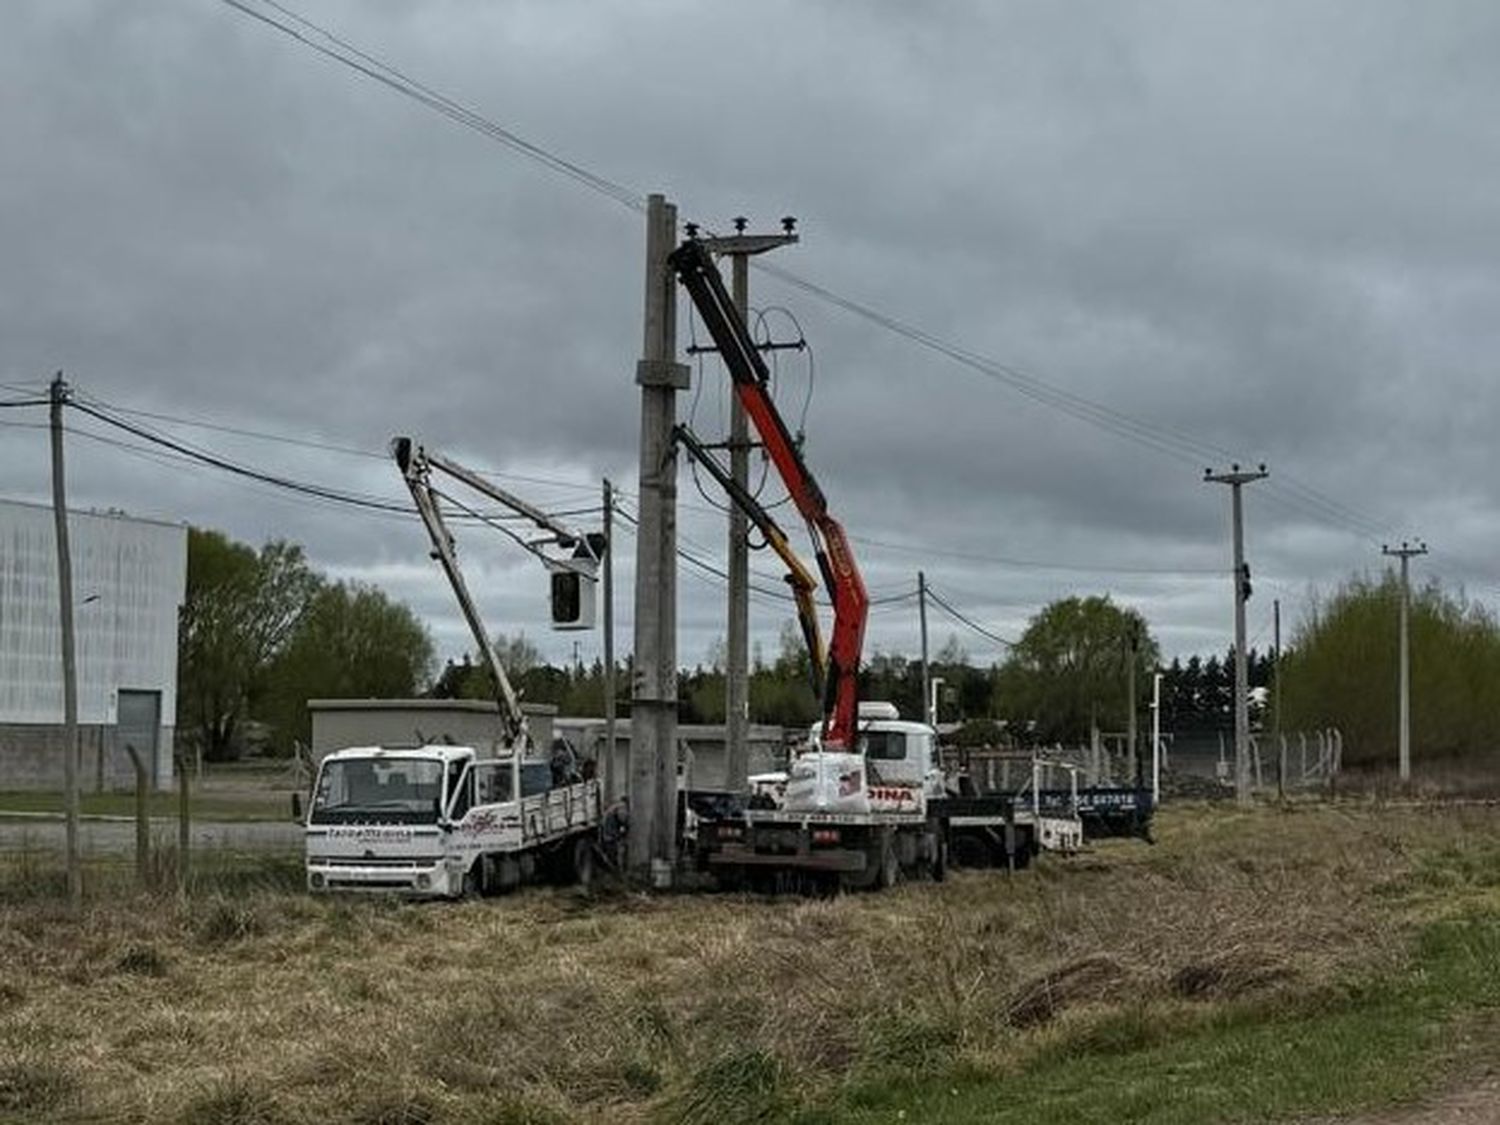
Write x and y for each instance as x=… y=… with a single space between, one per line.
x=457 y=820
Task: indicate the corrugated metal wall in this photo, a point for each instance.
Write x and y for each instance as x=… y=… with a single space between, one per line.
x=129 y=578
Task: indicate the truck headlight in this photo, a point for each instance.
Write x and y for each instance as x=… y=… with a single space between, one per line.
x=424 y=881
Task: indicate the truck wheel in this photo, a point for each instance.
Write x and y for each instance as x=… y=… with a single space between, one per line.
x=473 y=885
x=940 y=860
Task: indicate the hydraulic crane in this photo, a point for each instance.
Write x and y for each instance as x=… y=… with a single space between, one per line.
x=696 y=271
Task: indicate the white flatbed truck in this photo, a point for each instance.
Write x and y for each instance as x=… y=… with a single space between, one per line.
x=442 y=822
x=869 y=819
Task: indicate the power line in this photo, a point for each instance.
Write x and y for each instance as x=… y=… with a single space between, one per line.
x=346 y=54
x=1162 y=439
x=966 y=620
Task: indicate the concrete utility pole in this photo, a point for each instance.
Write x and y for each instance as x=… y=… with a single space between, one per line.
x=653 y=717
x=1405 y=553
x=1156 y=738
x=1237 y=478
x=611 y=767
x=1276 y=698
x=1132 y=645
x=739 y=248
x=926 y=670
x=58 y=397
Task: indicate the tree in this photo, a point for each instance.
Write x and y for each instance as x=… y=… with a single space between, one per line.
x=1069 y=669
x=1341 y=670
x=351 y=643
x=240 y=609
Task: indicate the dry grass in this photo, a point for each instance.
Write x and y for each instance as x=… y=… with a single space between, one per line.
x=549 y=1007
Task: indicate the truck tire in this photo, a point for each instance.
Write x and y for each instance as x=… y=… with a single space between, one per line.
x=473 y=884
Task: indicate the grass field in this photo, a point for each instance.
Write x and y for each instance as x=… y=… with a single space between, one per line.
x=233 y=792
x=1253 y=966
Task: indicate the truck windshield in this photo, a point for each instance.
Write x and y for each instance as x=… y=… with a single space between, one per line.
x=378 y=790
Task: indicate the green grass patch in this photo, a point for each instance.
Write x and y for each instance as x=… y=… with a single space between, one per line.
x=1167 y=1064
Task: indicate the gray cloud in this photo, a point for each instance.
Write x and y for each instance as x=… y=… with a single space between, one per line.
x=1268 y=229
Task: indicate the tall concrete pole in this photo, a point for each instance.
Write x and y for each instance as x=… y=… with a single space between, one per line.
x=1405 y=553
x=653 y=716
x=58 y=397
x=927 y=696
x=1132 y=734
x=739 y=248
x=611 y=771
x=1237 y=479
x=737 y=670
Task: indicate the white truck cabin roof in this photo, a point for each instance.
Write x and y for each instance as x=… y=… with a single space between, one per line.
x=436 y=753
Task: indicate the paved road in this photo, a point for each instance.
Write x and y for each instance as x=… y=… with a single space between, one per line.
x=118 y=836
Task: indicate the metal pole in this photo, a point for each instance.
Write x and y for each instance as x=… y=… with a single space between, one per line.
x=58 y=397
x=653 y=717
x=611 y=767
x=929 y=701
x=1404 y=553
x=1236 y=479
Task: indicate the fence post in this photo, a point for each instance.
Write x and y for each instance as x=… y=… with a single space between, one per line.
x=184 y=823
x=142 y=825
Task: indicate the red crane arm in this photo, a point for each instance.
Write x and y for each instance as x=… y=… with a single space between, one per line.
x=695 y=268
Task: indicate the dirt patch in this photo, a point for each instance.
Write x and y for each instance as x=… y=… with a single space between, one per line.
x=1475 y=1101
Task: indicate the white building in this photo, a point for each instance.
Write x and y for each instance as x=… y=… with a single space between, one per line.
x=129 y=580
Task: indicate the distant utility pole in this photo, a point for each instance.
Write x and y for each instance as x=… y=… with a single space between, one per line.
x=1405 y=553
x=58 y=397
x=1237 y=478
x=740 y=248
x=653 y=715
x=1132 y=646
x=611 y=767
x=926 y=669
x=1276 y=698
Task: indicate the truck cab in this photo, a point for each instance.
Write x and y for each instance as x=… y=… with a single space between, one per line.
x=894 y=769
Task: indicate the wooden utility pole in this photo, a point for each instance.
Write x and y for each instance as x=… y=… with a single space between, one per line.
x=1237 y=479
x=653 y=713
x=740 y=248
x=611 y=767
x=58 y=397
x=1405 y=553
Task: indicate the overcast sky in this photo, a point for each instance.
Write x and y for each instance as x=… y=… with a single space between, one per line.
x=1263 y=232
